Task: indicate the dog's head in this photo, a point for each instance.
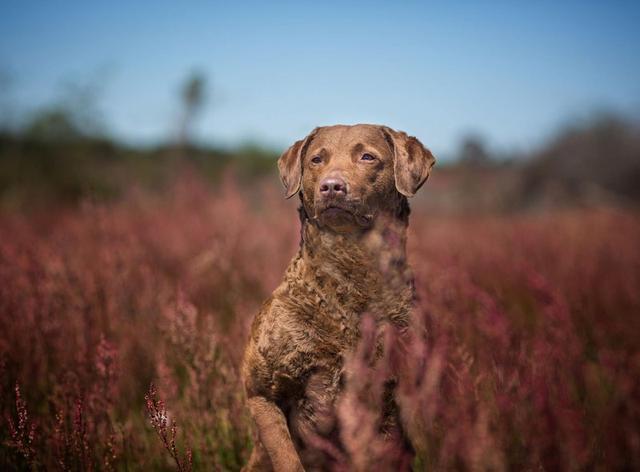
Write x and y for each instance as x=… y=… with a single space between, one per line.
x=348 y=175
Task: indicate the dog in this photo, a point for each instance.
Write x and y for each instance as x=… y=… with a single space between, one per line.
x=353 y=183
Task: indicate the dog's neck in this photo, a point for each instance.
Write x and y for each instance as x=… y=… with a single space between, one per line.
x=380 y=248
x=363 y=271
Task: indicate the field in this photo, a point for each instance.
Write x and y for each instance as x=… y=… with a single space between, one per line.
x=122 y=326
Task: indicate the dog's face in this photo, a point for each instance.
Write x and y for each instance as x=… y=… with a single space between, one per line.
x=349 y=175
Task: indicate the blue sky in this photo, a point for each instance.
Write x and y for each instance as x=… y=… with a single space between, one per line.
x=511 y=71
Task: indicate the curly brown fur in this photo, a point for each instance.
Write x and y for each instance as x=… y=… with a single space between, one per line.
x=351 y=261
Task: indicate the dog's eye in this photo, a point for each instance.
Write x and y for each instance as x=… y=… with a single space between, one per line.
x=368 y=157
x=316 y=159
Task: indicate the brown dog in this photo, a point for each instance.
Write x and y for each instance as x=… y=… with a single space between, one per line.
x=353 y=183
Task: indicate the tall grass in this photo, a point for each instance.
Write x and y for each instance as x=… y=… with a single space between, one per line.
x=523 y=353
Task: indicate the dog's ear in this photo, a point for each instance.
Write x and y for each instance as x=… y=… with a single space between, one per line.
x=412 y=162
x=290 y=165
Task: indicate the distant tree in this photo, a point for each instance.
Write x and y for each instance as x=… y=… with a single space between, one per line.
x=600 y=155
x=53 y=124
x=193 y=97
x=82 y=101
x=74 y=115
x=473 y=151
x=6 y=108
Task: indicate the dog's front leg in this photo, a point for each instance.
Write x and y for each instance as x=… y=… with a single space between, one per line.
x=274 y=435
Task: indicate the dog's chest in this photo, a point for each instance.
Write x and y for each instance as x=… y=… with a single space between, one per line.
x=317 y=328
x=316 y=339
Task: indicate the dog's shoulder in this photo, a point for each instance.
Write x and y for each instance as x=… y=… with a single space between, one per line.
x=290 y=337
x=276 y=355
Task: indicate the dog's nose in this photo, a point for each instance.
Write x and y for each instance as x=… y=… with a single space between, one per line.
x=333 y=186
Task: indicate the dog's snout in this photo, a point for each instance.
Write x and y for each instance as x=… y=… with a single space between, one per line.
x=333 y=186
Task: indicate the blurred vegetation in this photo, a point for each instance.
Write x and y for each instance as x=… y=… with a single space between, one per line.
x=36 y=170
x=600 y=160
x=63 y=154
x=593 y=163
